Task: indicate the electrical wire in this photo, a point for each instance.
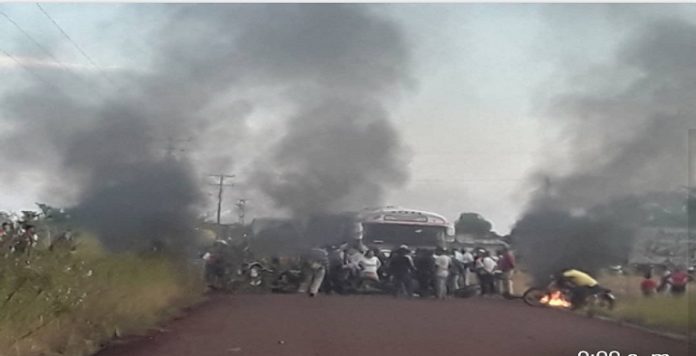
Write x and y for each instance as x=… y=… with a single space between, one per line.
x=77 y=47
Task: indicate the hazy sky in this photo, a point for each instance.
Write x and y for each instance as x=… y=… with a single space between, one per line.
x=473 y=116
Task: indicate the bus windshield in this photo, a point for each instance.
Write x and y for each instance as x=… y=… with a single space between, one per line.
x=398 y=234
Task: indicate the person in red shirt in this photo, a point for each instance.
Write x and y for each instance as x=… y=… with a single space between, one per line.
x=678 y=280
x=648 y=286
x=506 y=265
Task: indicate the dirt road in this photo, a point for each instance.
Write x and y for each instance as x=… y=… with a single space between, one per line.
x=284 y=325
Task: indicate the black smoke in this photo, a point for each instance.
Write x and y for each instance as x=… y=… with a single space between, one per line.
x=344 y=65
x=628 y=135
x=105 y=143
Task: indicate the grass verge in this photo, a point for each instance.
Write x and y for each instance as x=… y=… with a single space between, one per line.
x=662 y=312
x=71 y=303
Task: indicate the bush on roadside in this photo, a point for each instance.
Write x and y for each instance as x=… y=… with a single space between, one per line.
x=70 y=303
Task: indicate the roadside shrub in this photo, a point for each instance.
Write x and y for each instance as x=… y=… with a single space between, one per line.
x=70 y=303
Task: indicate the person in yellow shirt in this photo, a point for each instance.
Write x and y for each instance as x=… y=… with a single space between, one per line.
x=581 y=285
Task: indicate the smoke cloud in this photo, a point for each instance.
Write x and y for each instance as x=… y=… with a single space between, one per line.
x=105 y=145
x=628 y=131
x=339 y=151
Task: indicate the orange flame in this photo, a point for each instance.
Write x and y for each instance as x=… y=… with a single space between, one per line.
x=556 y=299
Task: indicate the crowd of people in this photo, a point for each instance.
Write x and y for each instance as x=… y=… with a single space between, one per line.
x=21 y=239
x=423 y=272
x=673 y=281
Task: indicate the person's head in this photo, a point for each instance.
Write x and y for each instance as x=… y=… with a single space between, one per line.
x=403 y=249
x=30 y=229
x=370 y=253
x=647 y=275
x=6 y=226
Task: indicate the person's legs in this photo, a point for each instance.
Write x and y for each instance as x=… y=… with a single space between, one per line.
x=578 y=296
x=467 y=277
x=678 y=290
x=441 y=287
x=308 y=276
x=505 y=283
x=318 y=278
x=490 y=281
x=453 y=282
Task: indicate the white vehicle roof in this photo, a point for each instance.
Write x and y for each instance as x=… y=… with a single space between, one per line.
x=398 y=215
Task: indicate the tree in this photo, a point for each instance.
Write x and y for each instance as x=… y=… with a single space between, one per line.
x=472 y=223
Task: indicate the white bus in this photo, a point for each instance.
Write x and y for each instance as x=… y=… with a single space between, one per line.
x=388 y=228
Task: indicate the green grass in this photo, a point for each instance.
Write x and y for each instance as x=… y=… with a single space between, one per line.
x=662 y=311
x=676 y=314
x=71 y=303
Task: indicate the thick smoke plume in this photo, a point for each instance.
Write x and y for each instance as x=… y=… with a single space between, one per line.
x=629 y=142
x=104 y=144
x=339 y=150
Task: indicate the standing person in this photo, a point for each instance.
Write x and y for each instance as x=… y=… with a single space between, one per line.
x=26 y=241
x=486 y=269
x=369 y=265
x=352 y=261
x=425 y=270
x=456 y=271
x=443 y=263
x=506 y=265
x=648 y=286
x=468 y=261
x=401 y=267
x=6 y=238
x=314 y=268
x=664 y=281
x=336 y=259
x=677 y=281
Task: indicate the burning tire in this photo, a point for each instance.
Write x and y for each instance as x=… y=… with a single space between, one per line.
x=534 y=296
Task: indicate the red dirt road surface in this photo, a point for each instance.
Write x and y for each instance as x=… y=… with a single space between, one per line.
x=295 y=325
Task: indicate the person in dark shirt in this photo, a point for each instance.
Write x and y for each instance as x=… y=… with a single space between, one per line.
x=425 y=271
x=401 y=268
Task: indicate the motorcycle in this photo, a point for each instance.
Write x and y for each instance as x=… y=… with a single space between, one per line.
x=253 y=276
x=555 y=296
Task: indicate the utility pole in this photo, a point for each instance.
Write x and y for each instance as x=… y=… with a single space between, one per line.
x=241 y=206
x=221 y=184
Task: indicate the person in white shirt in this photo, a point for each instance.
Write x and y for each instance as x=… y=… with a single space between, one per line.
x=486 y=274
x=369 y=264
x=443 y=263
x=468 y=261
x=456 y=270
x=353 y=258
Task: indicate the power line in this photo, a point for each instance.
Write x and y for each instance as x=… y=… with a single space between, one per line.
x=40 y=46
x=77 y=47
x=34 y=74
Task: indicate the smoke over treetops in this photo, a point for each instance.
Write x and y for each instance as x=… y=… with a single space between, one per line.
x=629 y=142
x=335 y=66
